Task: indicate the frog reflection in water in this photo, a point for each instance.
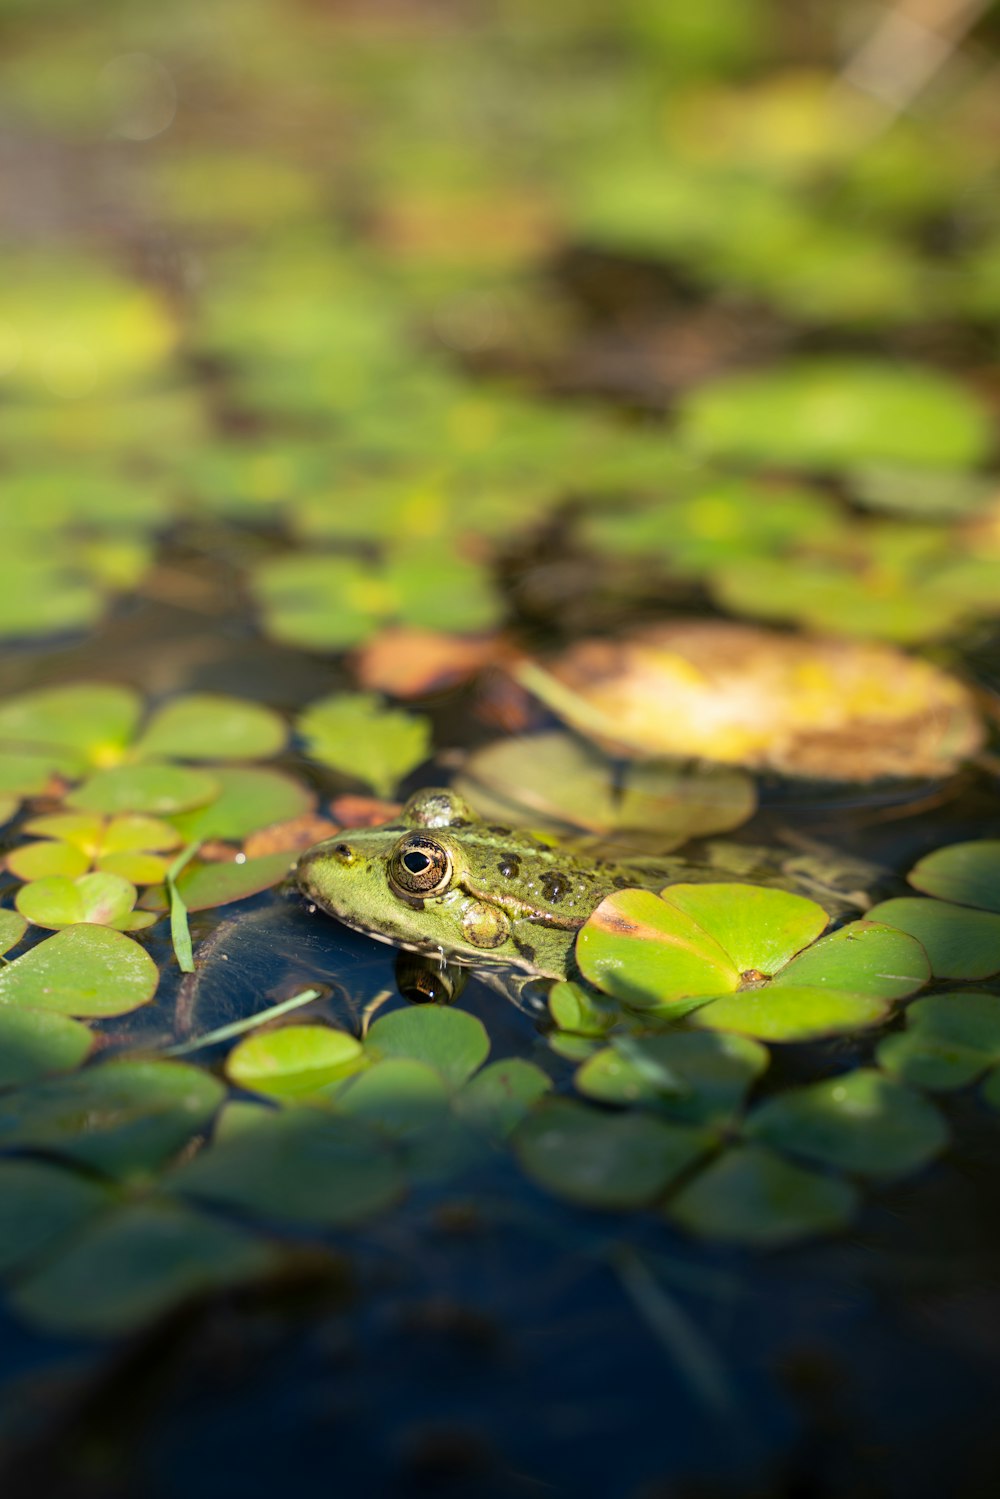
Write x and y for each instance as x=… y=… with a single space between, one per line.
x=440 y=881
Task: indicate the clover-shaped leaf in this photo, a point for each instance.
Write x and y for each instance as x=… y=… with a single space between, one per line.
x=728 y=952
x=73 y=842
x=960 y=943
x=102 y=899
x=698 y=1077
x=357 y=735
x=950 y=1039
x=83 y=970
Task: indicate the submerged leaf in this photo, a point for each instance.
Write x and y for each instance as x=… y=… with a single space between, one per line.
x=354 y=733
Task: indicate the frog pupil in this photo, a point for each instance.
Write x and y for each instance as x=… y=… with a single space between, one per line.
x=416 y=862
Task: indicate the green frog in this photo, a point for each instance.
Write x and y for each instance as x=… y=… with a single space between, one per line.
x=440 y=881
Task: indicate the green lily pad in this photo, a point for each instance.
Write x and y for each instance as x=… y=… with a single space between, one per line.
x=294 y=1061
x=84 y=724
x=28 y=774
x=157 y=789
x=204 y=886
x=41 y=1204
x=501 y=1095
x=123 y=1118
x=692 y=942
x=357 y=735
x=301 y=1164
x=35 y=1043
x=450 y=1041
x=960 y=943
x=864 y=957
x=603 y=1160
x=84 y=970
x=791 y=1012
x=752 y=1196
x=12 y=928
x=47 y=859
x=559 y=781
x=133 y=1265
x=398 y=1097
x=966 y=873
x=831 y=413
x=861 y=1121
x=694 y=1076
x=249 y=798
x=103 y=899
x=949 y=1040
x=208 y=726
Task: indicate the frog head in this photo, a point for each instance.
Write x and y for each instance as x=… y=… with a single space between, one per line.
x=421 y=882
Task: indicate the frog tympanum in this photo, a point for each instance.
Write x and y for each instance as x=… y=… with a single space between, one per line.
x=438 y=880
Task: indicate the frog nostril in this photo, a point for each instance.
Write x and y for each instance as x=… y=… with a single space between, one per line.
x=344 y=852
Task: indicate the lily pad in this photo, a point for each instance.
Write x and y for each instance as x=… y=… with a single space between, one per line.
x=41 y=1204
x=357 y=735
x=558 y=781
x=743 y=695
x=501 y=1095
x=84 y=970
x=12 y=928
x=861 y=1122
x=692 y=942
x=249 y=798
x=399 y=1097
x=751 y=1196
x=294 y=1061
x=694 y=1076
x=204 y=886
x=208 y=726
x=950 y=1039
x=86 y=724
x=966 y=873
x=35 y=1043
x=960 y=943
x=301 y=1164
x=134 y=1264
x=103 y=899
x=123 y=1118
x=823 y=414
x=156 y=789
x=450 y=1041
x=612 y=1161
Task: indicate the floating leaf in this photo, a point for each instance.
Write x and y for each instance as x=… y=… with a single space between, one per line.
x=35 y=1043
x=662 y=951
x=104 y=899
x=294 y=1061
x=604 y=1160
x=966 y=873
x=41 y=1204
x=12 y=928
x=559 y=781
x=248 y=799
x=354 y=733
x=297 y=1163
x=500 y=1095
x=697 y=1077
x=398 y=1097
x=960 y=943
x=84 y=970
x=157 y=789
x=861 y=1121
x=134 y=1265
x=949 y=1040
x=204 y=886
x=450 y=1041
x=208 y=726
x=123 y=1118
x=792 y=1012
x=744 y=695
x=831 y=413
x=751 y=1196
x=83 y=724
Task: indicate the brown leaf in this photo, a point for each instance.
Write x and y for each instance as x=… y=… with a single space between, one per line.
x=412 y=663
x=289 y=837
x=362 y=811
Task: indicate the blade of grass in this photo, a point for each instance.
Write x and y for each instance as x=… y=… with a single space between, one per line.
x=240 y=1027
x=180 y=932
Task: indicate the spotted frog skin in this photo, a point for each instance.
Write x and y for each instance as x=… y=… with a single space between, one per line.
x=439 y=880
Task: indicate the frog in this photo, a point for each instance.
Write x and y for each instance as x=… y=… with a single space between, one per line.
x=441 y=881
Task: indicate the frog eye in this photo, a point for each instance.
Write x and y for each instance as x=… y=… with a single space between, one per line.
x=419 y=866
